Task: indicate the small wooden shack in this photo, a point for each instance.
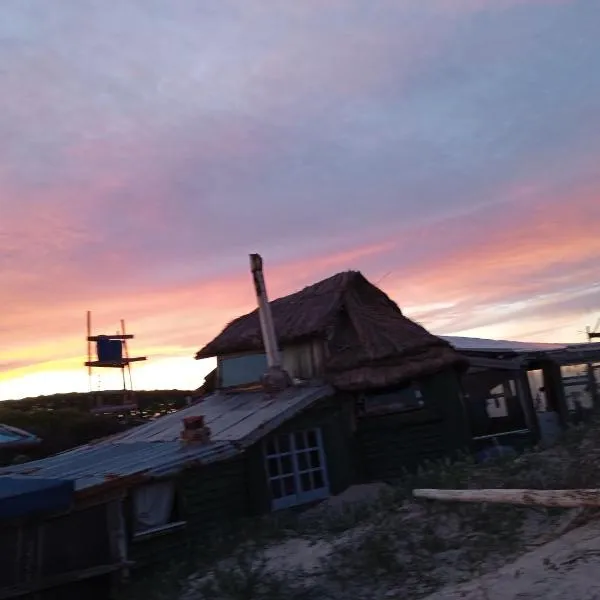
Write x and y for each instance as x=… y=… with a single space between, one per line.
x=520 y=393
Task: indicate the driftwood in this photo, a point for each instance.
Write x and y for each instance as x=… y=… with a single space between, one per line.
x=561 y=498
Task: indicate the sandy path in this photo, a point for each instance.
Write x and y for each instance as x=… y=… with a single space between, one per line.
x=566 y=569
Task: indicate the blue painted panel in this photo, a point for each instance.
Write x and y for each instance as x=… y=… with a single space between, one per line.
x=242 y=369
x=11 y=436
x=24 y=496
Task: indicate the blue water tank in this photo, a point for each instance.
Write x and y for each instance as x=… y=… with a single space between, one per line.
x=109 y=351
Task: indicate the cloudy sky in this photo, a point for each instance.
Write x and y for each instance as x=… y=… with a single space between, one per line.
x=448 y=149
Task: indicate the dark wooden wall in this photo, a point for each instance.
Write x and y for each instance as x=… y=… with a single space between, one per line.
x=390 y=444
x=208 y=497
x=36 y=553
x=221 y=493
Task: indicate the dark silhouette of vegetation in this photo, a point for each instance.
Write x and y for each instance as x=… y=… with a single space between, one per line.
x=64 y=421
x=150 y=403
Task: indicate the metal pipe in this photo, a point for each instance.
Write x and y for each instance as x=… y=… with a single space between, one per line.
x=264 y=312
x=89 y=348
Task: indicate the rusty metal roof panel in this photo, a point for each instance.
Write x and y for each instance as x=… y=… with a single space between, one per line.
x=241 y=417
x=469 y=344
x=94 y=464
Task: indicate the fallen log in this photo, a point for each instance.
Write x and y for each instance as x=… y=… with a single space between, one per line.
x=560 y=498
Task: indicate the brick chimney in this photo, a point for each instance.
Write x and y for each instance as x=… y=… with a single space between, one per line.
x=194 y=430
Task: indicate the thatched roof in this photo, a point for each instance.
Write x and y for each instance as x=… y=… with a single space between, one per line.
x=365 y=332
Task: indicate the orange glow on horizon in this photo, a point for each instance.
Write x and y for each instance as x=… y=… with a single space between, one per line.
x=171 y=324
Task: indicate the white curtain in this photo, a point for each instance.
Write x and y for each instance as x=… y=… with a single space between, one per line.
x=153 y=505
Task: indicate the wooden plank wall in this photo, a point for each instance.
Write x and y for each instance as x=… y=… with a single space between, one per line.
x=391 y=444
x=209 y=496
x=46 y=552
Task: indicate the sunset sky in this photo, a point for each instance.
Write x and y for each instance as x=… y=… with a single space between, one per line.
x=449 y=149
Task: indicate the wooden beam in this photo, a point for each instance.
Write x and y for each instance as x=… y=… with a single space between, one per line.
x=509 y=364
x=561 y=498
x=114 y=336
x=493 y=436
x=113 y=364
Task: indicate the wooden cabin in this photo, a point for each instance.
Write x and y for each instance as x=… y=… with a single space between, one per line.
x=398 y=383
x=519 y=393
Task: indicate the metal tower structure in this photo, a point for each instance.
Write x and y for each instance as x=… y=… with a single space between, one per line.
x=111 y=353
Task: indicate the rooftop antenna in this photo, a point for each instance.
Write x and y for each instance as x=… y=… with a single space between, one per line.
x=276 y=378
x=111 y=353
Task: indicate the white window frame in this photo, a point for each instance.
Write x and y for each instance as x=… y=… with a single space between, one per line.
x=299 y=497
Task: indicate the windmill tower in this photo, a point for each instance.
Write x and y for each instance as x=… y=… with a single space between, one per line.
x=593 y=333
x=111 y=353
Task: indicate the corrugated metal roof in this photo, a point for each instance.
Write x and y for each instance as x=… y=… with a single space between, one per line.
x=94 y=464
x=486 y=345
x=562 y=353
x=240 y=417
x=236 y=421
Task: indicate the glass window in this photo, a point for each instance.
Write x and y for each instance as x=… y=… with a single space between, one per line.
x=400 y=400
x=155 y=507
x=300 y=474
x=241 y=370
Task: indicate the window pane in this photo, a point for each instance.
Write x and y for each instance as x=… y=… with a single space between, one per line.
x=273 y=467
x=289 y=486
x=242 y=369
x=315 y=463
x=318 y=479
x=284 y=443
x=305 y=482
x=296 y=468
x=287 y=464
x=276 y=488
x=303 y=461
x=408 y=398
x=300 y=441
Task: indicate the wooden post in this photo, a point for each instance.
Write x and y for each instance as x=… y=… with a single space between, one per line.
x=555 y=391
x=526 y=400
x=118 y=537
x=592 y=385
x=560 y=498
